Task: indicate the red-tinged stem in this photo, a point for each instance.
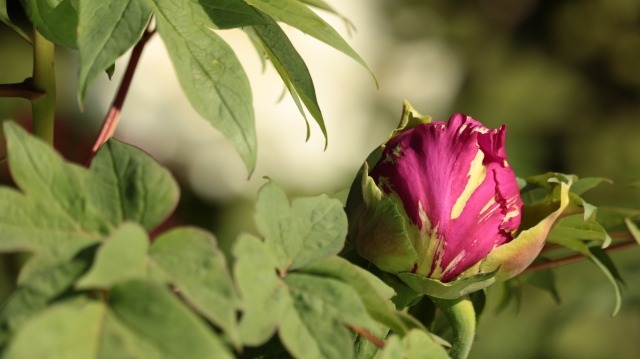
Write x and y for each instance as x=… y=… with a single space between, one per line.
x=113 y=116
x=23 y=89
x=367 y=335
x=576 y=257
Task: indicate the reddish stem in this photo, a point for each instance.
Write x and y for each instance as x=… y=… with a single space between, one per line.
x=367 y=335
x=113 y=116
x=23 y=89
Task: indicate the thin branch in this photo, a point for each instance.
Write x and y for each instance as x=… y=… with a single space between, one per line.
x=367 y=335
x=23 y=89
x=113 y=116
x=576 y=257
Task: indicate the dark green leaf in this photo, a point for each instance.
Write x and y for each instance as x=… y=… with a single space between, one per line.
x=292 y=70
x=164 y=322
x=228 y=14
x=300 y=233
x=55 y=20
x=575 y=226
x=209 y=72
x=48 y=280
x=4 y=17
x=545 y=280
x=296 y=14
x=106 y=30
x=585 y=184
x=191 y=261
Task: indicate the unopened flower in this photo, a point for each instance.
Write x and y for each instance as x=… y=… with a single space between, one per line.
x=439 y=200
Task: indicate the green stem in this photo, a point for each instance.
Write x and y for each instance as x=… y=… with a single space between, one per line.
x=462 y=318
x=44 y=81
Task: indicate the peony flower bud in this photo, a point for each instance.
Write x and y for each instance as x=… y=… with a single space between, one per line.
x=440 y=198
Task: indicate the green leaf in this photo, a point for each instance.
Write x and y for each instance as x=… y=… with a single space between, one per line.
x=126 y=184
x=106 y=30
x=330 y=297
x=308 y=310
x=191 y=261
x=309 y=334
x=56 y=20
x=633 y=229
x=545 y=280
x=600 y=259
x=186 y=258
x=209 y=72
x=164 y=322
x=416 y=344
x=141 y=321
x=292 y=70
x=374 y=293
x=585 y=184
x=4 y=17
x=264 y=295
x=228 y=14
x=575 y=226
x=296 y=14
x=122 y=257
x=301 y=232
x=45 y=282
x=64 y=208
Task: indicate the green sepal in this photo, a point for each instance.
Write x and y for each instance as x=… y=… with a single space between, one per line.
x=378 y=227
x=450 y=290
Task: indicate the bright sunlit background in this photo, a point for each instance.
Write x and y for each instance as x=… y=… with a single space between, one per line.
x=564 y=76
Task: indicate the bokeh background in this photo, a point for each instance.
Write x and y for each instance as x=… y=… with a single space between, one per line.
x=563 y=75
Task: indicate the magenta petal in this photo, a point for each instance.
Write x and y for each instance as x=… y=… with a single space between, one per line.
x=456 y=187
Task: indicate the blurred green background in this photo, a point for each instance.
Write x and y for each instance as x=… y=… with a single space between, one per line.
x=563 y=75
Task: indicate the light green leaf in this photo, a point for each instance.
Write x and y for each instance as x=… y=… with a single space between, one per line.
x=64 y=208
x=308 y=334
x=374 y=293
x=209 y=72
x=164 y=322
x=296 y=14
x=292 y=70
x=330 y=297
x=142 y=321
x=56 y=20
x=265 y=298
x=122 y=257
x=191 y=261
x=4 y=17
x=300 y=233
x=106 y=30
x=415 y=345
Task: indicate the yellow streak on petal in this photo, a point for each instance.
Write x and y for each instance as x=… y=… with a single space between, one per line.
x=476 y=175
